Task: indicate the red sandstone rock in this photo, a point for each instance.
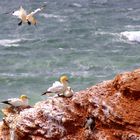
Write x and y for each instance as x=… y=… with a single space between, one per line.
x=114 y=107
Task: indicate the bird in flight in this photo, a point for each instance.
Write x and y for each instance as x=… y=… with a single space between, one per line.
x=27 y=17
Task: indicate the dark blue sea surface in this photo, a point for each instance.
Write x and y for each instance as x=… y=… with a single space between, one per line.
x=80 y=38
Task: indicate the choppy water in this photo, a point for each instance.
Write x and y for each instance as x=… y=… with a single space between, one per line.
x=81 y=38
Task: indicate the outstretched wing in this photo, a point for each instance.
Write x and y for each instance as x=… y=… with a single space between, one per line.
x=16 y=13
x=37 y=10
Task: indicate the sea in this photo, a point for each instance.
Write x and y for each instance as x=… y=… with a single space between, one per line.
x=88 y=40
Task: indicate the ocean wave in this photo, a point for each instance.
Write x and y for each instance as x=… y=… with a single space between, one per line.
x=100 y=1
x=9 y=42
x=18 y=75
x=105 y=33
x=131 y=35
x=60 y=18
x=77 y=5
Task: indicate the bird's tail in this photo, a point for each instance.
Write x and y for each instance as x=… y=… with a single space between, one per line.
x=6 y=102
x=46 y=92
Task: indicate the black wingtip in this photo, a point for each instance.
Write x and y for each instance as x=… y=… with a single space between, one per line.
x=7 y=13
x=43 y=6
x=46 y=92
x=43 y=93
x=6 y=102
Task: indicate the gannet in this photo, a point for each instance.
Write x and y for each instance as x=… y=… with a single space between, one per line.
x=21 y=14
x=26 y=18
x=68 y=93
x=17 y=102
x=58 y=87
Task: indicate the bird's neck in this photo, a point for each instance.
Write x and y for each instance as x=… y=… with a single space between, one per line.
x=25 y=101
x=65 y=84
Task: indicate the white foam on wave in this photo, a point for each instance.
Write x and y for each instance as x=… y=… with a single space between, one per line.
x=100 y=1
x=60 y=18
x=131 y=35
x=77 y=5
x=19 y=75
x=105 y=33
x=9 y=42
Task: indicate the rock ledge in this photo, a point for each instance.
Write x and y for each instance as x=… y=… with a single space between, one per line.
x=107 y=111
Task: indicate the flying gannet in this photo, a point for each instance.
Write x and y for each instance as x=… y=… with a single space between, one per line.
x=25 y=17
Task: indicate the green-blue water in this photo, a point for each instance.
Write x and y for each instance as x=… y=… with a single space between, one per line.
x=80 y=38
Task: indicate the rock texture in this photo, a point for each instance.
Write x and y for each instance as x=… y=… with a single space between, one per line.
x=113 y=106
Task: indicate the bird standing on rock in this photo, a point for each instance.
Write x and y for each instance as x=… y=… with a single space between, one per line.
x=26 y=18
x=59 y=87
x=23 y=100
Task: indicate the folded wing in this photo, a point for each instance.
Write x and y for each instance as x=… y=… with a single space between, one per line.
x=57 y=87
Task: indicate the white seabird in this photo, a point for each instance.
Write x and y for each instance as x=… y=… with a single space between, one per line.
x=23 y=100
x=68 y=93
x=26 y=18
x=58 y=87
